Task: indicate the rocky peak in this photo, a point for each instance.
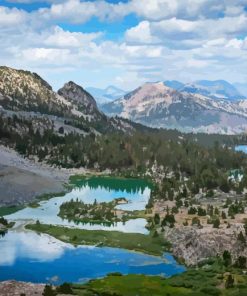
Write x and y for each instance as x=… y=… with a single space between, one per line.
x=157 y=105
x=76 y=94
x=151 y=94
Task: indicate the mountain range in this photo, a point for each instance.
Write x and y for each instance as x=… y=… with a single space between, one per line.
x=157 y=105
x=217 y=89
x=27 y=96
x=203 y=106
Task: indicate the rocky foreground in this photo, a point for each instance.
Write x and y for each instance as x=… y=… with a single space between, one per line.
x=193 y=245
x=13 y=288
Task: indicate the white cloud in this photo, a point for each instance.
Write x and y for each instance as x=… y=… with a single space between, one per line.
x=180 y=33
x=11 y=17
x=66 y=39
x=180 y=39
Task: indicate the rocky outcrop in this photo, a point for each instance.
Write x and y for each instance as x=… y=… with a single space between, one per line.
x=13 y=288
x=77 y=95
x=194 y=245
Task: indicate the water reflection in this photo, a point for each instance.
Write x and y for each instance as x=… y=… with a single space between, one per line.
x=131 y=186
x=31 y=246
x=27 y=256
x=48 y=211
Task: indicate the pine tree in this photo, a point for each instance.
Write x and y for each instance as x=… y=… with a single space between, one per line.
x=241 y=238
x=48 y=291
x=229 y=282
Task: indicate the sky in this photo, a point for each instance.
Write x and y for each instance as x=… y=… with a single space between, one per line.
x=125 y=43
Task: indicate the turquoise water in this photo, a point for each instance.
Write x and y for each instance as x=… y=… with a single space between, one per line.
x=28 y=256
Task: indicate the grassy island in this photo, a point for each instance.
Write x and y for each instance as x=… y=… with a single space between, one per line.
x=5 y=225
x=98 y=213
x=131 y=241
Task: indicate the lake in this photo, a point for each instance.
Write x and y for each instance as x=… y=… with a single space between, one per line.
x=87 y=190
x=28 y=256
x=241 y=148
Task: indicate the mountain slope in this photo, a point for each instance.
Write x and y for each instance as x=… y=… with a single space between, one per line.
x=157 y=105
x=218 y=89
x=23 y=90
x=72 y=110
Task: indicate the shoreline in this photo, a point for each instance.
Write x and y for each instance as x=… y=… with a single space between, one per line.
x=136 y=242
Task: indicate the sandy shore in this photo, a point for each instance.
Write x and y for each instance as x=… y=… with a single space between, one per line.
x=21 y=179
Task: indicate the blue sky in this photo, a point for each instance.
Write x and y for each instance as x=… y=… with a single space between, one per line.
x=125 y=43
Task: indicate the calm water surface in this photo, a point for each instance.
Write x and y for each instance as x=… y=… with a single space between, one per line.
x=28 y=256
x=101 y=189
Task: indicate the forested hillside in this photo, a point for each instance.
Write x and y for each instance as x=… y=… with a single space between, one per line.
x=69 y=131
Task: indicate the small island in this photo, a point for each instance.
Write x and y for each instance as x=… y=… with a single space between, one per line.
x=97 y=212
x=4 y=226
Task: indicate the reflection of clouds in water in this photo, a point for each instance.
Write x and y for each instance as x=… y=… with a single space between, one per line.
x=48 y=211
x=30 y=245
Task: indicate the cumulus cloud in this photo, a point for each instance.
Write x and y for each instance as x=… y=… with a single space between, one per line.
x=178 y=32
x=11 y=17
x=179 y=39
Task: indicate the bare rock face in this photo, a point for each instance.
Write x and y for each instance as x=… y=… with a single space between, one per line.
x=194 y=245
x=77 y=95
x=13 y=288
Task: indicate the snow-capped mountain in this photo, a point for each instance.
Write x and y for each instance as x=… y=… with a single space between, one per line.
x=218 y=89
x=157 y=105
x=106 y=95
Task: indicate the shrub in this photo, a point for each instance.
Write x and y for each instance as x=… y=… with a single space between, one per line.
x=65 y=288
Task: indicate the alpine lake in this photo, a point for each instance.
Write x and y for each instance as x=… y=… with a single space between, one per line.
x=40 y=258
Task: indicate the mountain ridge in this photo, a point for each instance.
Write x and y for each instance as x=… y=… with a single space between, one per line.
x=157 y=105
x=28 y=96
